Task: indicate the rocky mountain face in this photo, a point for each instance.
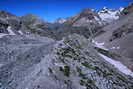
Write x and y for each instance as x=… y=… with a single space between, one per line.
x=87 y=22
x=84 y=18
x=84 y=23
x=34 y=25
x=9 y=23
x=91 y=50
x=117 y=37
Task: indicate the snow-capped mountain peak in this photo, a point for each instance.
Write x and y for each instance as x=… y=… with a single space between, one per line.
x=109 y=15
x=60 y=20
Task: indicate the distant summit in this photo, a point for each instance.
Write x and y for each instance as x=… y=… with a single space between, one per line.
x=60 y=20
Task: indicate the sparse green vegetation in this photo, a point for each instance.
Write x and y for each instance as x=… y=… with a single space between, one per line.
x=65 y=70
x=80 y=73
x=82 y=82
x=120 y=77
x=88 y=83
x=86 y=64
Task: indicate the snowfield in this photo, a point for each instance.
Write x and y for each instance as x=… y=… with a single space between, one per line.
x=99 y=45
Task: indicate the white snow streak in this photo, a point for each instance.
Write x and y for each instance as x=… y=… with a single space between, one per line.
x=118 y=65
x=99 y=45
x=2 y=35
x=10 y=31
x=98 y=20
x=116 y=47
x=20 y=32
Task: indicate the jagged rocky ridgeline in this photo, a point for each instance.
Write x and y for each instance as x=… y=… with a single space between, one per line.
x=42 y=63
x=81 y=23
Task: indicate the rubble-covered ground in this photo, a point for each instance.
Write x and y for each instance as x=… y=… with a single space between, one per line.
x=33 y=62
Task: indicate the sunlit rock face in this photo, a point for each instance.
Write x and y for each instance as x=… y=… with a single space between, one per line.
x=85 y=18
x=128 y=9
x=42 y=63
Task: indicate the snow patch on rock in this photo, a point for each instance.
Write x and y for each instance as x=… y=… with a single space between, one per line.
x=99 y=45
x=98 y=20
x=2 y=35
x=116 y=47
x=20 y=32
x=10 y=31
x=118 y=65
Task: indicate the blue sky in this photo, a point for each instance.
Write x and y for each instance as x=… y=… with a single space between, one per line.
x=52 y=9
